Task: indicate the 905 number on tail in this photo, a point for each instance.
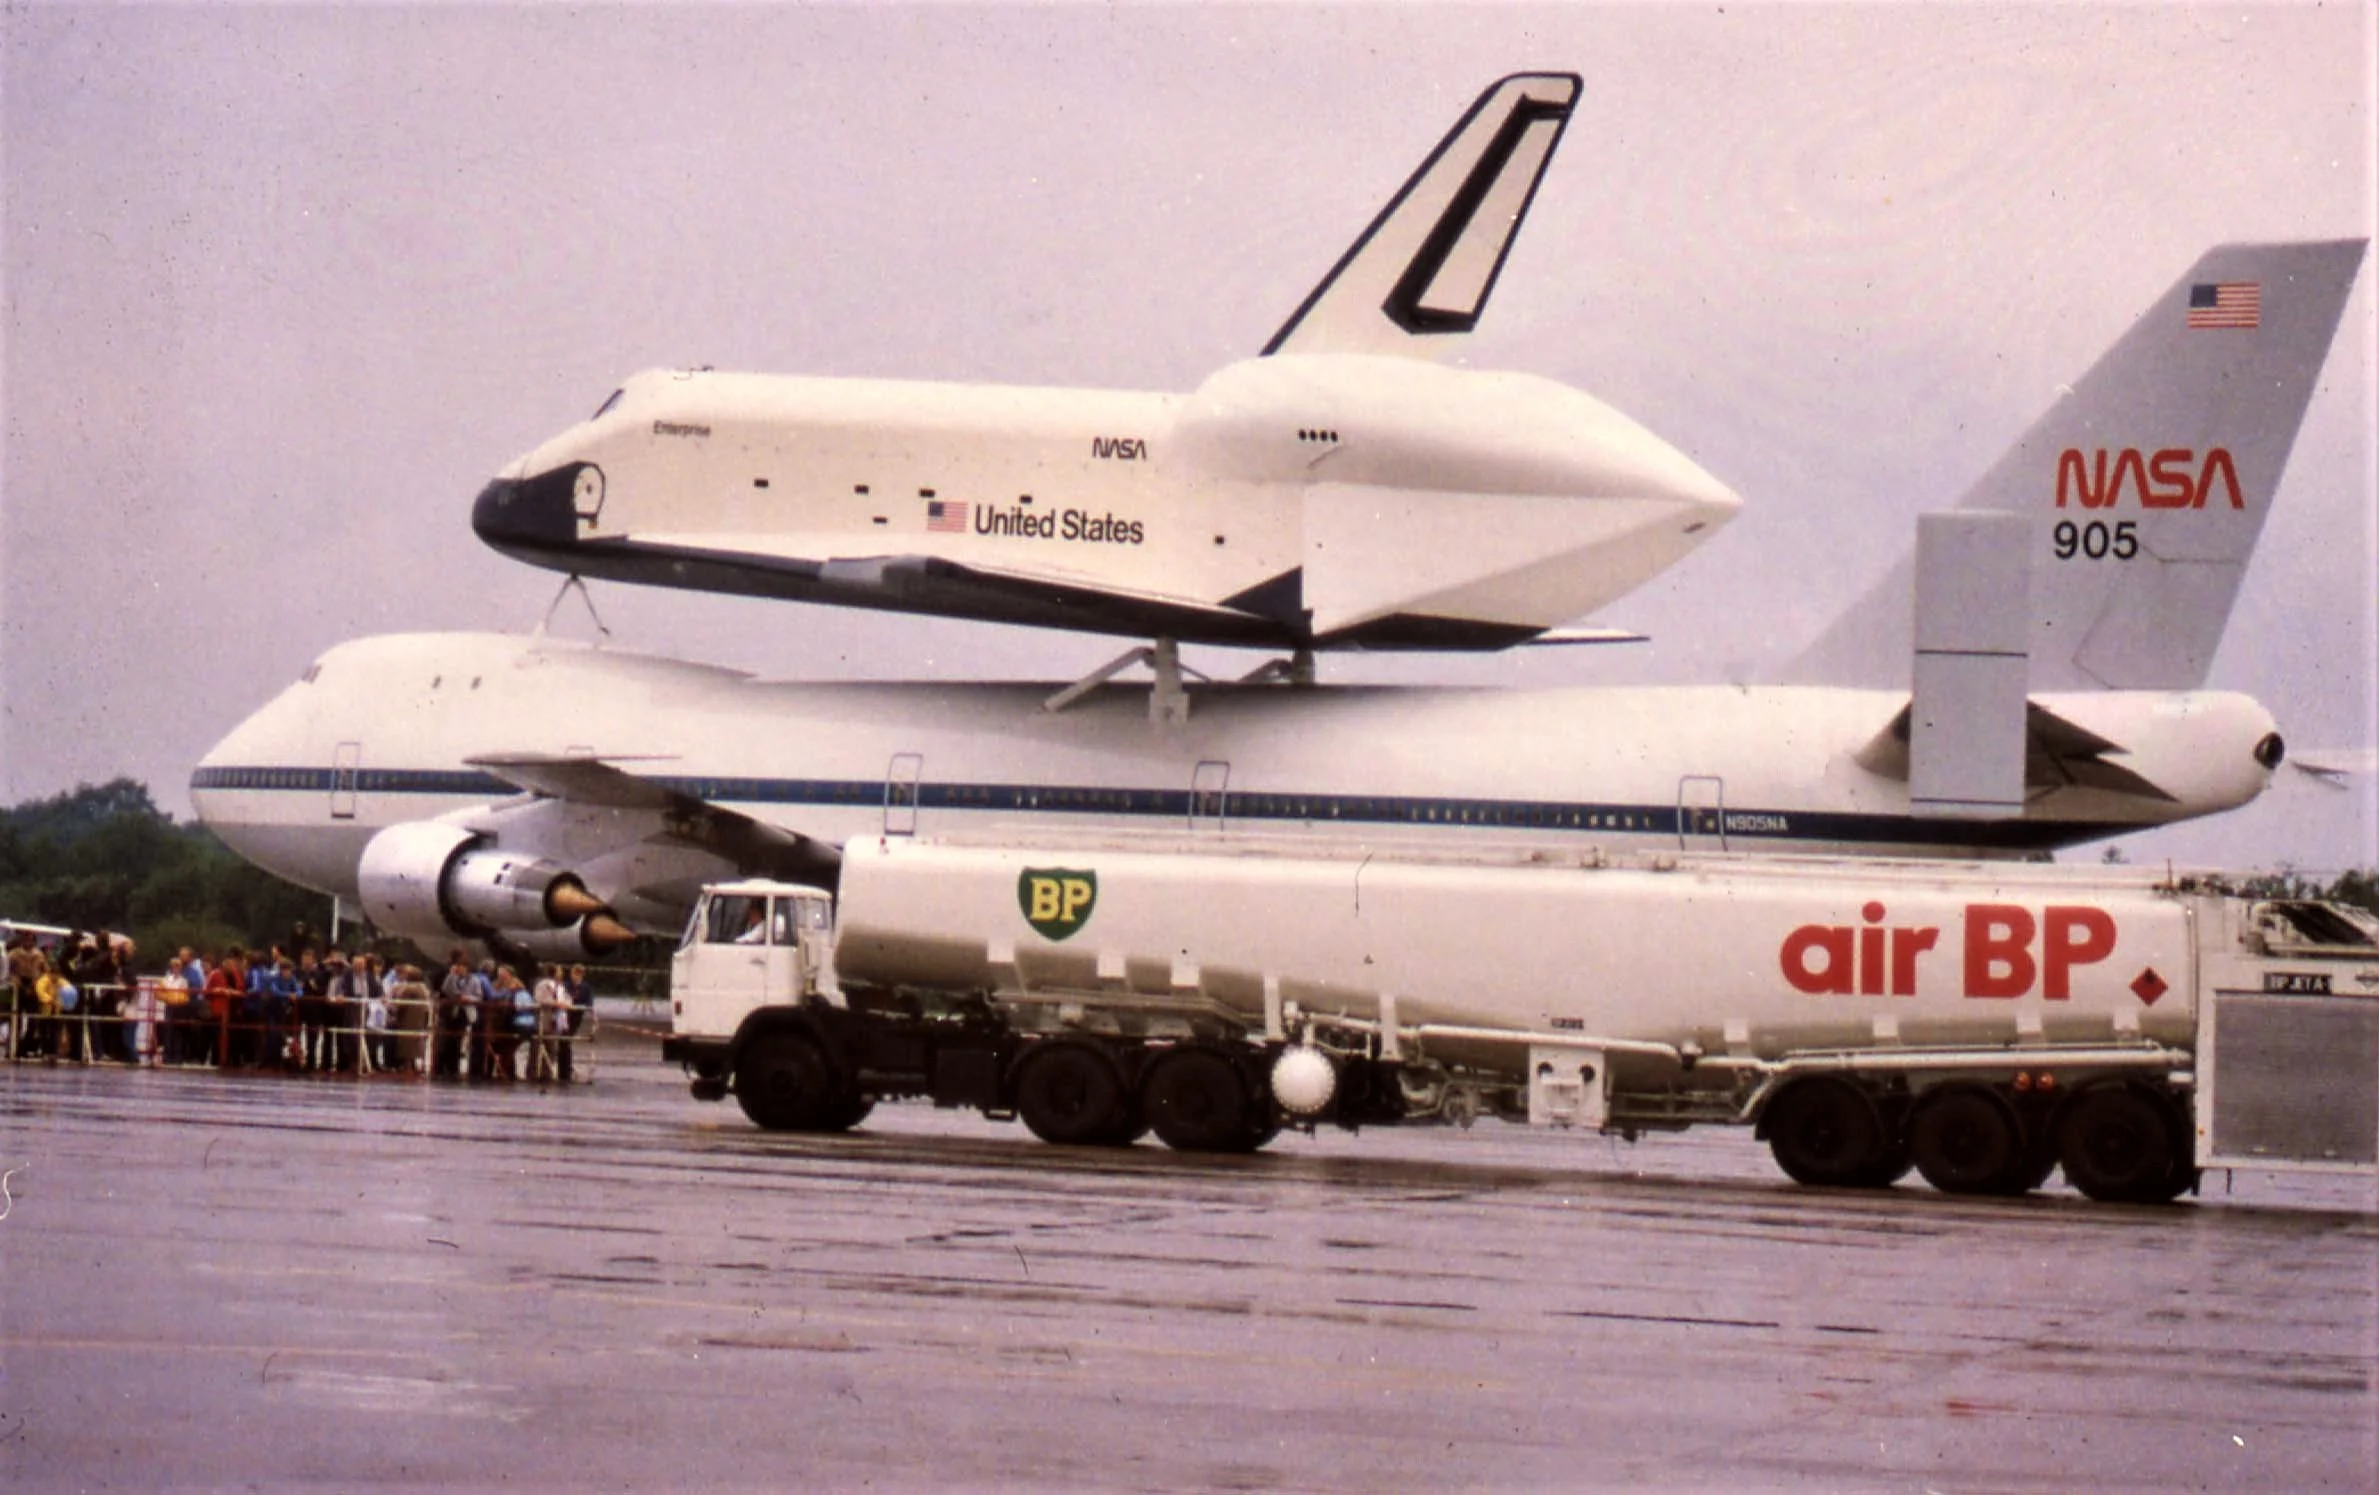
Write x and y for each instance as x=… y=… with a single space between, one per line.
x=2096 y=540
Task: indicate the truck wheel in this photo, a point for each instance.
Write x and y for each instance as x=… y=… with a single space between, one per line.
x=1264 y=1127
x=783 y=1082
x=849 y=1112
x=1198 y=1102
x=1967 y=1141
x=1069 y=1093
x=1825 y=1133
x=2119 y=1144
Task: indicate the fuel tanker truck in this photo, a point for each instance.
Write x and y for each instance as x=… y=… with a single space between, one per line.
x=1984 y=1023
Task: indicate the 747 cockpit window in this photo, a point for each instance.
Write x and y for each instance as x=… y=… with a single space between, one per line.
x=606 y=407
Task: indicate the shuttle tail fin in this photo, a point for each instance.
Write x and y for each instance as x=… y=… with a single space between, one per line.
x=1422 y=272
x=2147 y=483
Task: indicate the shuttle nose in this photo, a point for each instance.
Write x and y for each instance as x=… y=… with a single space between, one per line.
x=540 y=515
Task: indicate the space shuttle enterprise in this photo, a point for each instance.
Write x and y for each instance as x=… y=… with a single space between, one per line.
x=1341 y=490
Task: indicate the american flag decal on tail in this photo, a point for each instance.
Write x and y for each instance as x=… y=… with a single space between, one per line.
x=2230 y=303
x=945 y=518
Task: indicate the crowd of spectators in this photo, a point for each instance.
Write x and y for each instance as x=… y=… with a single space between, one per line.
x=299 y=1007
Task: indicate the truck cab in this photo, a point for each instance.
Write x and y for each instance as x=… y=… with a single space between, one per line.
x=750 y=945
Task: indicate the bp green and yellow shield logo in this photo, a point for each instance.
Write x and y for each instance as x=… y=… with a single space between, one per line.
x=1056 y=900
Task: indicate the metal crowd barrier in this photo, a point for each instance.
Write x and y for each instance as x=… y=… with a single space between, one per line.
x=135 y=1026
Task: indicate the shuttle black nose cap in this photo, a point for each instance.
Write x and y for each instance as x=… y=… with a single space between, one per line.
x=2271 y=752
x=541 y=514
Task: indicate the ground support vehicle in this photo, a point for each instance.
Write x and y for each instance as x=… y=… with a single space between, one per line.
x=1984 y=1023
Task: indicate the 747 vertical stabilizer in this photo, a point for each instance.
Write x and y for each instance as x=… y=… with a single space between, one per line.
x=2146 y=484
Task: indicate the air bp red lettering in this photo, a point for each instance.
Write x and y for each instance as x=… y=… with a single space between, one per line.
x=2174 y=477
x=1820 y=958
x=1999 y=960
x=2007 y=952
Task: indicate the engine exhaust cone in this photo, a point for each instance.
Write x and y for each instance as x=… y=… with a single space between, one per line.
x=604 y=932
x=568 y=901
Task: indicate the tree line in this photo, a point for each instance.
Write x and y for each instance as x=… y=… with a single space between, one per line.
x=105 y=857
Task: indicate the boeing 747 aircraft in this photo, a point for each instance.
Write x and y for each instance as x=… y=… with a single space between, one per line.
x=551 y=796
x=1340 y=491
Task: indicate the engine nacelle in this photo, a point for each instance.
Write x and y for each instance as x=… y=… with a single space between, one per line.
x=430 y=879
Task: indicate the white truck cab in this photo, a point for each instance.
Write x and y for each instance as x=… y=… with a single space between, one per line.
x=750 y=945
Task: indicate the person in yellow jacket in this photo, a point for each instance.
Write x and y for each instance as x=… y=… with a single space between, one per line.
x=57 y=998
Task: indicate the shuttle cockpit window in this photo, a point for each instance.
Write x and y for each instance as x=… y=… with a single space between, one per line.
x=609 y=404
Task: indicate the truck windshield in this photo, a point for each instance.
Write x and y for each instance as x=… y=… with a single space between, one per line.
x=737 y=919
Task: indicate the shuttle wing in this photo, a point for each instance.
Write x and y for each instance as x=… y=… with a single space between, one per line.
x=913 y=582
x=833 y=558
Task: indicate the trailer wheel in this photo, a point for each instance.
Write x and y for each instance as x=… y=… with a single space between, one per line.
x=1129 y=1130
x=1891 y=1164
x=2183 y=1179
x=2040 y=1160
x=1198 y=1102
x=2121 y=1144
x=783 y=1082
x=1825 y=1133
x=1966 y=1140
x=1070 y=1094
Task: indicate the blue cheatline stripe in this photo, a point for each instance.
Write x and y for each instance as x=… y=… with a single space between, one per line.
x=1742 y=826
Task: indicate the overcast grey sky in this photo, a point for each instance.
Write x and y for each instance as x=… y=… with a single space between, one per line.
x=285 y=286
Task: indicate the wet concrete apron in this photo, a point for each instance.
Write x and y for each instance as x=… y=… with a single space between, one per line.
x=217 y=1280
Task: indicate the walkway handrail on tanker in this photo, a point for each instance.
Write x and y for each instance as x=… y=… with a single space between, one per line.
x=1456 y=1032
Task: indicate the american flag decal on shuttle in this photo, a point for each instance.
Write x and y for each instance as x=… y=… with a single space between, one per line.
x=2231 y=303
x=945 y=518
